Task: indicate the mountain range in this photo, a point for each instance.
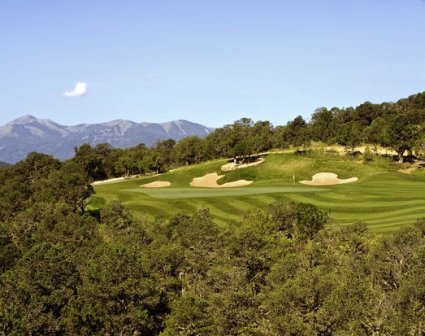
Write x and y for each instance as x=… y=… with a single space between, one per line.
x=28 y=134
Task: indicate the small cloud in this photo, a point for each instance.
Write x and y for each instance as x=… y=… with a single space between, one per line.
x=79 y=90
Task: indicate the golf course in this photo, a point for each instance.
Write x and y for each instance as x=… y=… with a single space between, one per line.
x=377 y=194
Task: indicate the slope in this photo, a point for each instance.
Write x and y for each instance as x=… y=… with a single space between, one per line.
x=382 y=197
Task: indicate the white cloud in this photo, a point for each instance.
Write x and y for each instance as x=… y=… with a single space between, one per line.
x=79 y=90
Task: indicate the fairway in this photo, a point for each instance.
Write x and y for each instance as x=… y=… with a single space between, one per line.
x=382 y=197
x=183 y=193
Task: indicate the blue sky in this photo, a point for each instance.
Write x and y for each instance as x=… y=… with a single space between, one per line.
x=210 y=62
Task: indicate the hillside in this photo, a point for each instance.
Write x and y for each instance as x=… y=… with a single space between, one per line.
x=382 y=197
x=27 y=134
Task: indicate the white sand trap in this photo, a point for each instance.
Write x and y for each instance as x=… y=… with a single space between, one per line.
x=321 y=179
x=210 y=181
x=157 y=184
x=233 y=166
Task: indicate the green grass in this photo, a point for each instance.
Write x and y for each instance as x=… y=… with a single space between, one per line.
x=383 y=198
x=187 y=193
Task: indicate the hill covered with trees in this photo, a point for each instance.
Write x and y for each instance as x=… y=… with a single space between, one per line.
x=286 y=269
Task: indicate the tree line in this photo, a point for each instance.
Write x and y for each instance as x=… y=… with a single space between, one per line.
x=399 y=125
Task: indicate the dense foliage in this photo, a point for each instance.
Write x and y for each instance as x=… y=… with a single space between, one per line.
x=286 y=269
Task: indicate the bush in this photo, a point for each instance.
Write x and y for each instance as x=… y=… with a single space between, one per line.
x=367 y=155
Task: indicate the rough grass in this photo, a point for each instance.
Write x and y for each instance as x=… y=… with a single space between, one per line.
x=383 y=198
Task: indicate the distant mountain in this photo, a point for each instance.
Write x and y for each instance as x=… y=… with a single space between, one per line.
x=28 y=134
x=3 y=164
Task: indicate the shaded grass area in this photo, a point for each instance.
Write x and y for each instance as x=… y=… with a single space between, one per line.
x=383 y=198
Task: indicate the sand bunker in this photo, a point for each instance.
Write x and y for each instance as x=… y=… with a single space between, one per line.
x=210 y=181
x=321 y=179
x=233 y=166
x=157 y=184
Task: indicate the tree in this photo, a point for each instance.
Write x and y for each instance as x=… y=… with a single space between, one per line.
x=218 y=143
x=323 y=125
x=350 y=135
x=296 y=220
x=377 y=133
x=297 y=132
x=54 y=222
x=19 y=182
x=9 y=253
x=109 y=155
x=279 y=137
x=116 y=217
x=36 y=166
x=70 y=185
x=189 y=317
x=189 y=150
x=199 y=253
x=262 y=136
x=365 y=113
x=165 y=149
x=419 y=146
x=126 y=165
x=320 y=287
x=117 y=294
x=402 y=135
x=35 y=293
x=92 y=160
